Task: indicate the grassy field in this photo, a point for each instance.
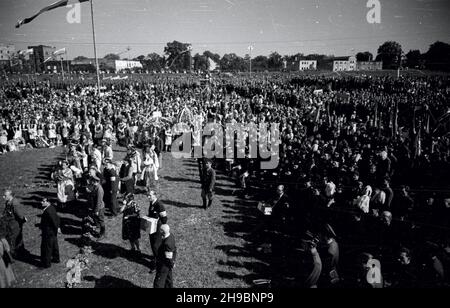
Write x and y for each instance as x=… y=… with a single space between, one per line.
x=212 y=251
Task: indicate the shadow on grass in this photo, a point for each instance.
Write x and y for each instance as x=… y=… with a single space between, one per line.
x=110 y=282
x=111 y=251
x=172 y=179
x=30 y=259
x=181 y=204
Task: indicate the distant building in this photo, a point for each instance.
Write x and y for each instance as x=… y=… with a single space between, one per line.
x=40 y=54
x=344 y=64
x=6 y=54
x=307 y=65
x=300 y=65
x=369 y=65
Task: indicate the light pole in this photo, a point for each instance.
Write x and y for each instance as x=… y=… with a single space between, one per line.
x=250 y=48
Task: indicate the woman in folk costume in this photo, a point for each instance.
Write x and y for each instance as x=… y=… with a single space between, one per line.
x=131 y=222
x=363 y=201
x=122 y=134
x=98 y=131
x=126 y=177
x=3 y=141
x=108 y=134
x=97 y=157
x=136 y=161
x=65 y=127
x=74 y=158
x=66 y=187
x=168 y=138
x=32 y=133
x=150 y=167
x=107 y=151
x=51 y=134
x=7 y=277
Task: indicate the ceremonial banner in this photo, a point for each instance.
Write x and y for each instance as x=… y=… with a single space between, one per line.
x=50 y=7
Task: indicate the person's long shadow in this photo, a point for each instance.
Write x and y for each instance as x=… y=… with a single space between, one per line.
x=70 y=226
x=111 y=251
x=30 y=259
x=180 y=204
x=172 y=179
x=110 y=282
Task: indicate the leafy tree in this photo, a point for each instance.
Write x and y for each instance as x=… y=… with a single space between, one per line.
x=153 y=62
x=178 y=55
x=111 y=56
x=232 y=62
x=200 y=62
x=364 y=56
x=213 y=56
x=79 y=58
x=260 y=63
x=391 y=54
x=275 y=61
x=413 y=59
x=438 y=56
x=140 y=58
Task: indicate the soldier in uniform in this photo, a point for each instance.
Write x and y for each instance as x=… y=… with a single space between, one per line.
x=208 y=183
x=157 y=211
x=166 y=257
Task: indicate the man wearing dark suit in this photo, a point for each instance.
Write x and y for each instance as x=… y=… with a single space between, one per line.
x=110 y=187
x=97 y=205
x=157 y=211
x=50 y=227
x=208 y=185
x=166 y=257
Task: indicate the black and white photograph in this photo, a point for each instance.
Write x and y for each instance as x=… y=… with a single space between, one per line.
x=246 y=145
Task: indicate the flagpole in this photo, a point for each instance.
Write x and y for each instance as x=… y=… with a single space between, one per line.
x=95 y=47
x=62 y=68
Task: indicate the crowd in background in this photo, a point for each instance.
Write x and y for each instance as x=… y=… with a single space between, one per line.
x=364 y=161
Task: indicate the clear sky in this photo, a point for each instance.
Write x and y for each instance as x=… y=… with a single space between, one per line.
x=224 y=26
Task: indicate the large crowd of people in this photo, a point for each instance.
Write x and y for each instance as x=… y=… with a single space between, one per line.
x=363 y=173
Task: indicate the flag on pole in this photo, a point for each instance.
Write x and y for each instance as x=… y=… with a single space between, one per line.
x=57 y=4
x=26 y=52
x=48 y=59
x=59 y=52
x=211 y=64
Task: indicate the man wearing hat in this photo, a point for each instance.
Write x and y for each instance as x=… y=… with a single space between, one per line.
x=110 y=186
x=96 y=204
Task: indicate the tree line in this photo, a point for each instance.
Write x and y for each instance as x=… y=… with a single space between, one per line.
x=178 y=56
